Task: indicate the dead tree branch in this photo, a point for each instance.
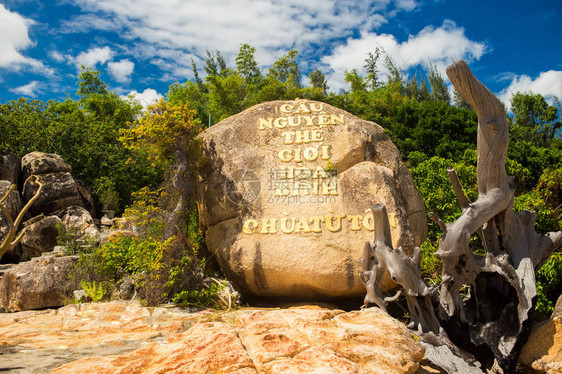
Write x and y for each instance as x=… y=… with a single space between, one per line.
x=485 y=302
x=11 y=240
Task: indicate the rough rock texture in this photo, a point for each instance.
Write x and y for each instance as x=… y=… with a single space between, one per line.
x=543 y=351
x=9 y=167
x=42 y=163
x=59 y=192
x=79 y=220
x=39 y=341
x=40 y=236
x=86 y=196
x=294 y=340
x=261 y=171
x=42 y=282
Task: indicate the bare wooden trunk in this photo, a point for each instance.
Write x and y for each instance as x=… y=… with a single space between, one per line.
x=491 y=320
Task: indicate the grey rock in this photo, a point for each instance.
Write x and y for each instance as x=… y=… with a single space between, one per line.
x=557 y=308
x=42 y=163
x=40 y=237
x=86 y=196
x=78 y=220
x=127 y=288
x=39 y=283
x=59 y=192
x=442 y=357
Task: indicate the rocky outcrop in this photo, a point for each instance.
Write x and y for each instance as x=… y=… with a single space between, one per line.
x=79 y=220
x=543 y=351
x=43 y=282
x=59 y=192
x=40 y=236
x=62 y=198
x=36 y=163
x=284 y=199
x=296 y=340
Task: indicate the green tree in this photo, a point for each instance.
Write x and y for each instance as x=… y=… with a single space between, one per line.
x=439 y=90
x=356 y=82
x=372 y=69
x=286 y=70
x=168 y=134
x=246 y=64
x=196 y=77
x=318 y=80
x=24 y=125
x=226 y=95
x=534 y=119
x=395 y=74
x=84 y=132
x=89 y=82
x=196 y=95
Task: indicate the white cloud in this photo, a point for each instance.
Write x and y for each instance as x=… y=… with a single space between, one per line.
x=29 y=89
x=440 y=46
x=271 y=26
x=93 y=56
x=406 y=4
x=57 y=56
x=121 y=70
x=147 y=97
x=85 y=23
x=548 y=84
x=14 y=37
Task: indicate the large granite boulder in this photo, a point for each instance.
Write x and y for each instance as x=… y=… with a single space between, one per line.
x=40 y=236
x=13 y=203
x=9 y=167
x=285 y=195
x=42 y=163
x=59 y=191
x=43 y=282
x=79 y=221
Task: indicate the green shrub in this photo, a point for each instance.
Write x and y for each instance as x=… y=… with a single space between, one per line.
x=95 y=290
x=549 y=283
x=164 y=268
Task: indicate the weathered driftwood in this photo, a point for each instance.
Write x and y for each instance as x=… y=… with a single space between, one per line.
x=11 y=240
x=491 y=319
x=379 y=257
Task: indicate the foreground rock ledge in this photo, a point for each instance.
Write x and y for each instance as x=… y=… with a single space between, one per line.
x=295 y=340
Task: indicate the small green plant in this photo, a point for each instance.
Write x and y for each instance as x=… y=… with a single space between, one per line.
x=72 y=239
x=205 y=296
x=330 y=168
x=95 y=290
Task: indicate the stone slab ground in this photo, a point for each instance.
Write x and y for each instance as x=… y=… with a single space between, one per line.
x=125 y=337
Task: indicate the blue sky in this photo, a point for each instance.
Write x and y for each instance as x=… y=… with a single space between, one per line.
x=143 y=46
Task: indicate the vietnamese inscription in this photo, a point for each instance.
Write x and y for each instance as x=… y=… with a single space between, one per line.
x=303 y=139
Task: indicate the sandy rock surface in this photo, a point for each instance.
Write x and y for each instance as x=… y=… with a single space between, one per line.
x=543 y=351
x=124 y=337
